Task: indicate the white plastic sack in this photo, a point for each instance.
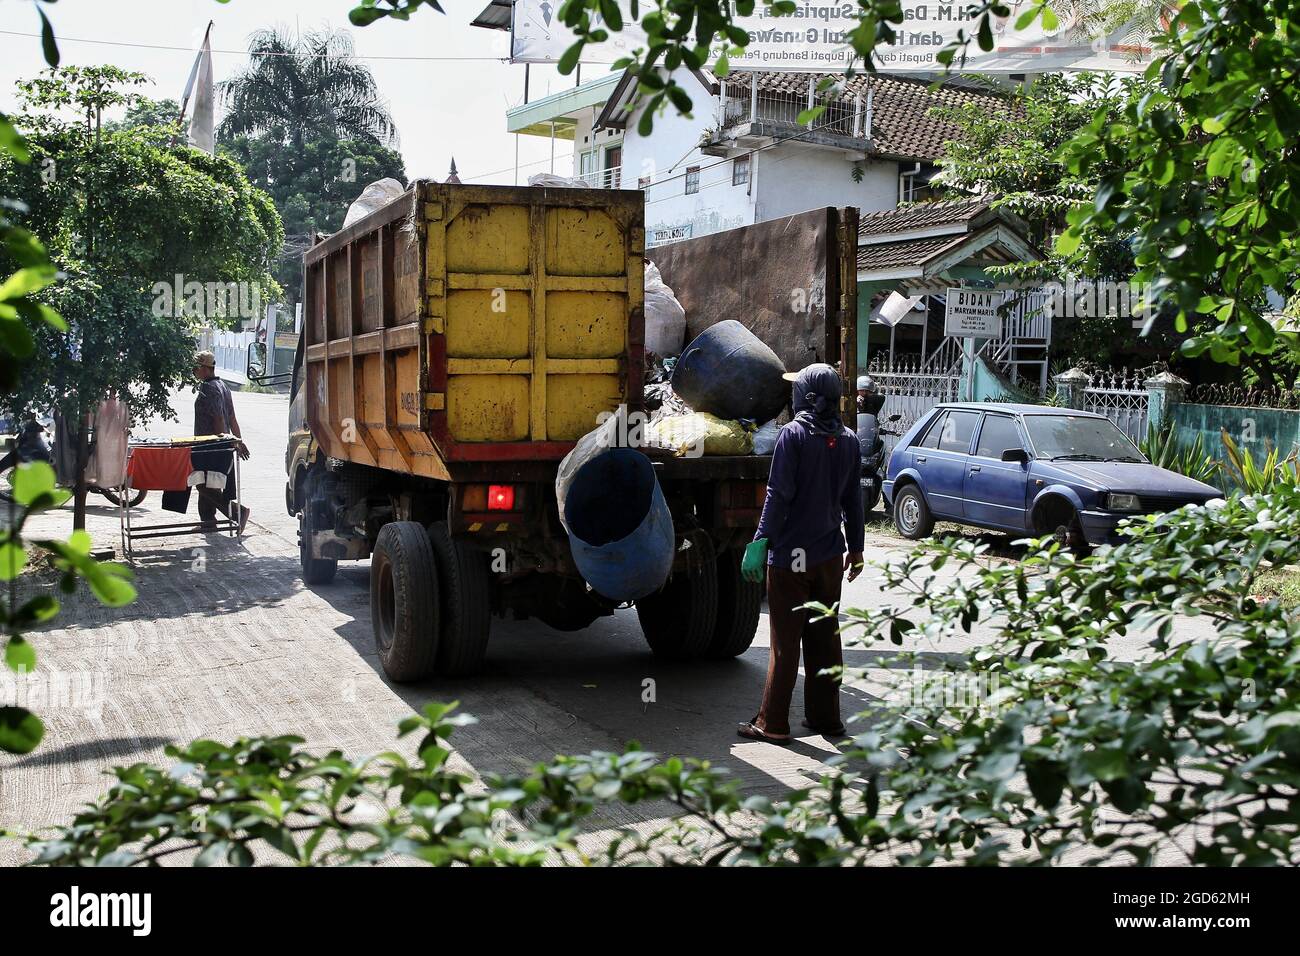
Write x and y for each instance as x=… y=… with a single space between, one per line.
x=375 y=196
x=665 y=319
x=765 y=437
x=550 y=179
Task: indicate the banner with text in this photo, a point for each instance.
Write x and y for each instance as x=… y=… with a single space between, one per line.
x=812 y=38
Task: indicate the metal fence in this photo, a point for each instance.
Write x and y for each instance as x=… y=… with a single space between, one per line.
x=843 y=114
x=611 y=178
x=910 y=392
x=1122 y=397
x=231 y=350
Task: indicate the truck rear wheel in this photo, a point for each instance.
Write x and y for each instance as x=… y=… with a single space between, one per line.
x=740 y=603
x=314 y=570
x=678 y=620
x=465 y=588
x=404 y=601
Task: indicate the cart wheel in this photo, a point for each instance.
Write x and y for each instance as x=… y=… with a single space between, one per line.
x=133 y=502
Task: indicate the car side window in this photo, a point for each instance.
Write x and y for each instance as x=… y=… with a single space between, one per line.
x=931 y=439
x=957 y=430
x=997 y=435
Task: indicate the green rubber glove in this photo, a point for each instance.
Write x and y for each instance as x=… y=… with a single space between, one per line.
x=754 y=566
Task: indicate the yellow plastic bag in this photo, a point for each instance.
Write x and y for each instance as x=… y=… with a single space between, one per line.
x=690 y=436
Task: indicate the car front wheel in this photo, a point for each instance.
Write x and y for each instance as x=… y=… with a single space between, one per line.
x=912 y=515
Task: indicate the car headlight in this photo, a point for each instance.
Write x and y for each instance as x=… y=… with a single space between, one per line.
x=1123 y=503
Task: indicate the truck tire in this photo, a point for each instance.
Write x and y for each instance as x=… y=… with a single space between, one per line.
x=404 y=601
x=465 y=588
x=678 y=620
x=314 y=570
x=740 y=603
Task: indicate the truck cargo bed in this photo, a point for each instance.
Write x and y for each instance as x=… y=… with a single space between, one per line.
x=466 y=324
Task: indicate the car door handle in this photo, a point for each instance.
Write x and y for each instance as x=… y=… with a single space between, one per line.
x=974 y=468
x=922 y=461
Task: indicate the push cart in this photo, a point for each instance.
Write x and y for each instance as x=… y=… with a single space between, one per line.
x=180 y=465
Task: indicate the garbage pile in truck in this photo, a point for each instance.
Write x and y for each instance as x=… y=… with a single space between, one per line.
x=721 y=394
x=712 y=396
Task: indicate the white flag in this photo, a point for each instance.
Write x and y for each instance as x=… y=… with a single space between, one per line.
x=202 y=130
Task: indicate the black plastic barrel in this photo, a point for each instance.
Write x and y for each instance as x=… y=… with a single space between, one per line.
x=728 y=371
x=620 y=528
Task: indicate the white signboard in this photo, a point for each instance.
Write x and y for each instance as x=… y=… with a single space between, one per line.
x=812 y=38
x=973 y=314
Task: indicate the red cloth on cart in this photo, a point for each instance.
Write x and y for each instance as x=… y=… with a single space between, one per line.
x=160 y=469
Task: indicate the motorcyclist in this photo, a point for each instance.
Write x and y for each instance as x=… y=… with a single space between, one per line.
x=870 y=401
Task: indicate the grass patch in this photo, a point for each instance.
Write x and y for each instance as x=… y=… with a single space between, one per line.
x=1282 y=584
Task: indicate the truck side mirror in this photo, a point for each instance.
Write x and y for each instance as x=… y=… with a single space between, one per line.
x=1016 y=454
x=254 y=366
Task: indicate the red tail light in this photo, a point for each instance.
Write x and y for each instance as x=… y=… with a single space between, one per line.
x=501 y=498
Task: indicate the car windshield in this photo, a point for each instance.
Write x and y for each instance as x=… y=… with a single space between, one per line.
x=1074 y=438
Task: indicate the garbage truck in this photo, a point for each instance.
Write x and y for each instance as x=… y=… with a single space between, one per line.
x=459 y=341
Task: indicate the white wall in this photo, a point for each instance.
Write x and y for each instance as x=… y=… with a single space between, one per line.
x=664 y=157
x=796 y=177
x=783 y=179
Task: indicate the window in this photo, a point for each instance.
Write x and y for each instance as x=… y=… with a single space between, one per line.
x=931 y=439
x=740 y=170
x=692 y=179
x=998 y=434
x=613 y=167
x=957 y=431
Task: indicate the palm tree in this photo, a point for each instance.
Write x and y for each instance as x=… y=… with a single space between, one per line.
x=297 y=88
x=1145 y=18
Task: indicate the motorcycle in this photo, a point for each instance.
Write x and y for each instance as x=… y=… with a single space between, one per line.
x=871 y=440
x=30 y=445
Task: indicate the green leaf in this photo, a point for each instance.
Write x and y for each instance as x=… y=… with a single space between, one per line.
x=31 y=480
x=26 y=281
x=12 y=560
x=48 y=44
x=1068 y=242
x=20 y=655
x=20 y=730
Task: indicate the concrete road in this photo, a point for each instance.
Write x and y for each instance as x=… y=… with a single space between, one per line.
x=225 y=640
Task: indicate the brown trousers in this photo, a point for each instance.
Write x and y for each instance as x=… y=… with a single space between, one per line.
x=787 y=591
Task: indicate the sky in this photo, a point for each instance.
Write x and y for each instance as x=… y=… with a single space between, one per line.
x=448 y=98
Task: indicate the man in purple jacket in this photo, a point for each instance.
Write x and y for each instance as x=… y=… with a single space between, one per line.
x=813 y=490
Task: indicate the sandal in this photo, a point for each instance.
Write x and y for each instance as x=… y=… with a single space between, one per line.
x=752 y=731
x=839 y=731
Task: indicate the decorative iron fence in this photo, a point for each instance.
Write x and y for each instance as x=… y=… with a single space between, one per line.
x=1122 y=397
x=1243 y=396
x=910 y=391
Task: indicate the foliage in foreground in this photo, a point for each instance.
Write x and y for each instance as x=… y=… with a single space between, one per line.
x=1050 y=745
x=34 y=492
x=22 y=318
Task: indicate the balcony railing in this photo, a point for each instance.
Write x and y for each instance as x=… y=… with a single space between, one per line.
x=843 y=115
x=611 y=178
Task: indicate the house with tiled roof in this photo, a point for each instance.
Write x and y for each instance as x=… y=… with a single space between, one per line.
x=742 y=156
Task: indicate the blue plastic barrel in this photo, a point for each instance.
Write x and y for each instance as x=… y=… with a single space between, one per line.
x=620 y=528
x=728 y=371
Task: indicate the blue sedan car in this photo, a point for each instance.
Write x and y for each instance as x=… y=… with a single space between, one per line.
x=1027 y=469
